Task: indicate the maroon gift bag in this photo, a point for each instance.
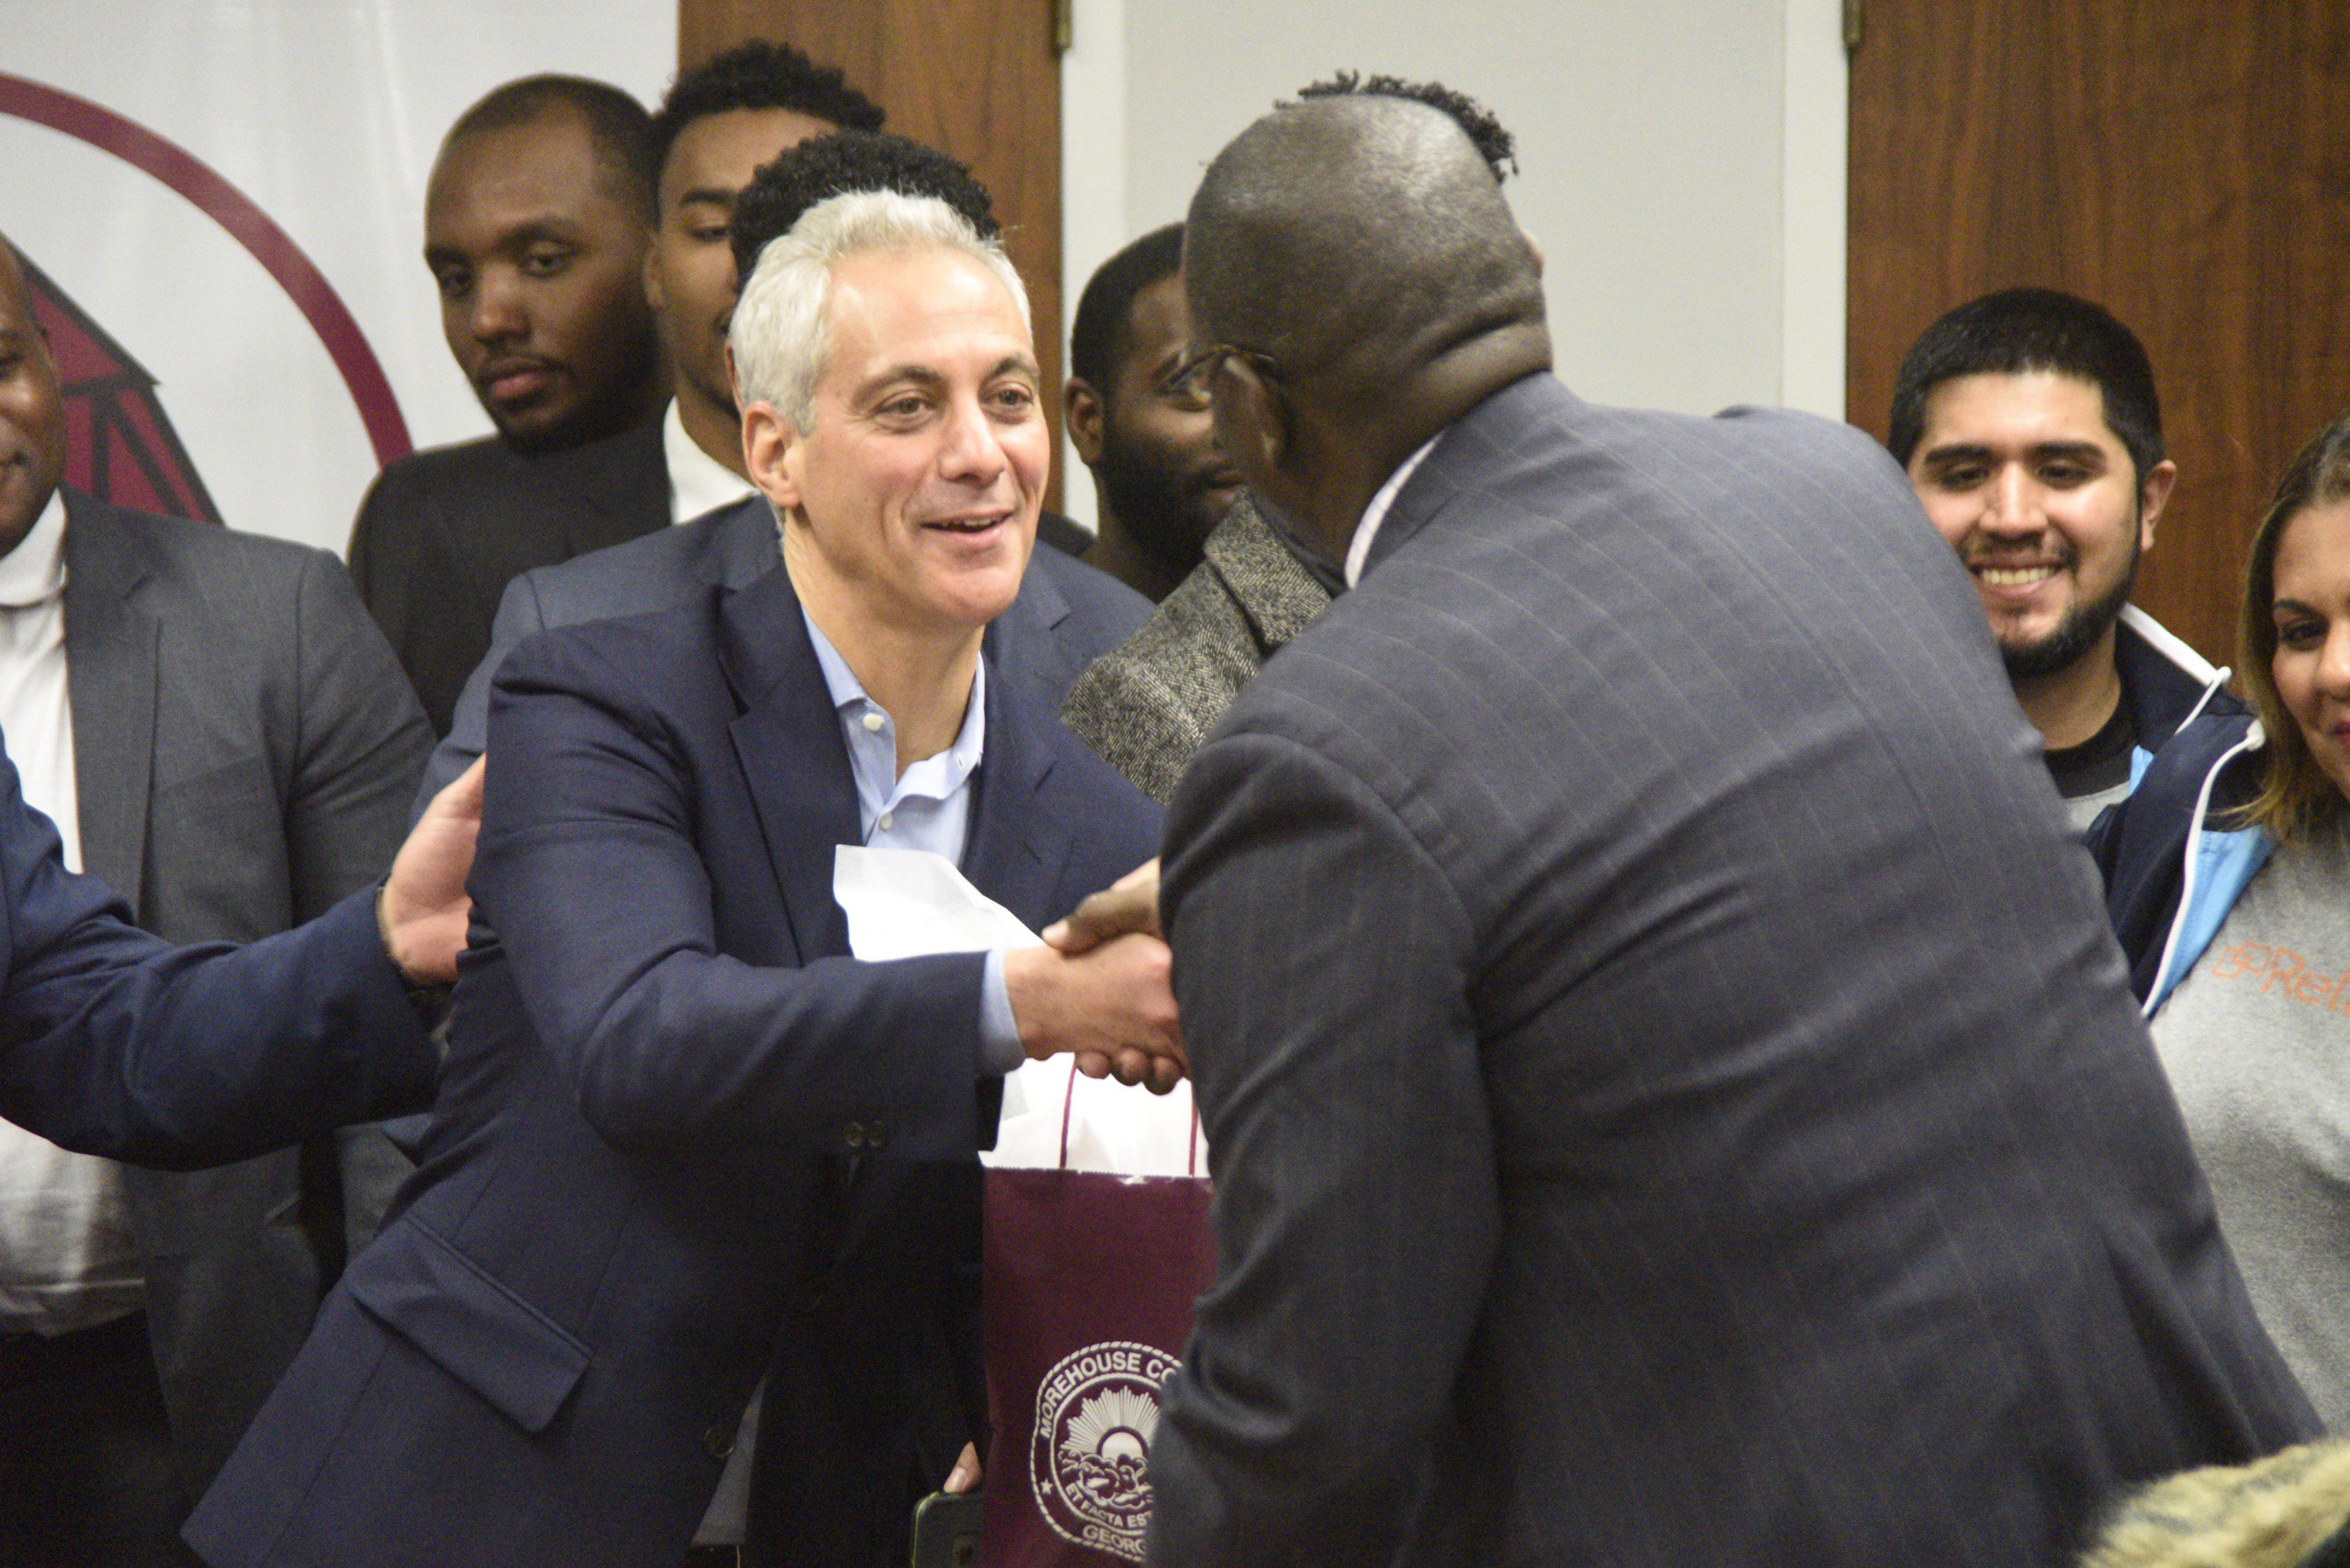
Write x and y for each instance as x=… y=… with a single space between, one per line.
x=1089 y=1283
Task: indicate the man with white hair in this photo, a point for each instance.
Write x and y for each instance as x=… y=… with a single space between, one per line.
x=686 y=1146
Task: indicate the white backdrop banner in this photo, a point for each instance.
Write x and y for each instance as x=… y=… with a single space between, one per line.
x=223 y=204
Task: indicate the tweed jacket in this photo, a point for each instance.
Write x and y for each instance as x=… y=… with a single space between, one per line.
x=1145 y=706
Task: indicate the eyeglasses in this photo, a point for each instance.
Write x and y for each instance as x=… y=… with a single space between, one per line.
x=1187 y=385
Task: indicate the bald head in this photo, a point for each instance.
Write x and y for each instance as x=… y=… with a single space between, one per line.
x=1358 y=237
x=32 y=419
x=1358 y=250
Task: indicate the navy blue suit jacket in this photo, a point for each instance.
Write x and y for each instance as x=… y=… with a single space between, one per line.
x=113 y=1041
x=681 y=1133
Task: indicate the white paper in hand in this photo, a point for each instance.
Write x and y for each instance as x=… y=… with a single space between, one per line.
x=905 y=903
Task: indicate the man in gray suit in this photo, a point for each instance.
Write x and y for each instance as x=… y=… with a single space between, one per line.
x=221 y=735
x=1674 y=1098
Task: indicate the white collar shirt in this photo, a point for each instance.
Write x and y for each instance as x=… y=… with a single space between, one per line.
x=1359 y=552
x=698 y=484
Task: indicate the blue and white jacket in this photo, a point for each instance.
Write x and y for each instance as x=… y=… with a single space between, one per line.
x=2173 y=860
x=2167 y=683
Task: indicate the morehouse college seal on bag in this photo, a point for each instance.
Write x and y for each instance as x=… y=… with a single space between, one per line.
x=1087 y=1278
x=1089 y=1456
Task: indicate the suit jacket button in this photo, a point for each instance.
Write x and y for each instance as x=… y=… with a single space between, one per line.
x=876 y=1135
x=718 y=1442
x=853 y=1136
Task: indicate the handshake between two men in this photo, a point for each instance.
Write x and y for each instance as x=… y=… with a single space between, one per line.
x=1101 y=988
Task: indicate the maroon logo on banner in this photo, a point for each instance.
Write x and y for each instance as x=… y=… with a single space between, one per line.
x=251 y=227
x=119 y=444
x=1090 y=1456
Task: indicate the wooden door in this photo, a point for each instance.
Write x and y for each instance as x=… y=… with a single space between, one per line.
x=2186 y=166
x=978 y=79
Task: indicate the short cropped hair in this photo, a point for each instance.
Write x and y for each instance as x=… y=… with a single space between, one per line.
x=2297 y=796
x=1479 y=124
x=617 y=128
x=1103 y=333
x=782 y=334
x=759 y=74
x=2019 y=330
x=834 y=164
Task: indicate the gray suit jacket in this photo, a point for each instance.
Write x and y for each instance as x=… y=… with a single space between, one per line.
x=245 y=748
x=1146 y=706
x=1674 y=1097
x=1067 y=614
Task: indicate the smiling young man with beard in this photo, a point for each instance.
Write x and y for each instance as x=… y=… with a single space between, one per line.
x=2029 y=425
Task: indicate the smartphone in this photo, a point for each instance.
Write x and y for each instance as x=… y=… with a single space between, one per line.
x=946 y=1530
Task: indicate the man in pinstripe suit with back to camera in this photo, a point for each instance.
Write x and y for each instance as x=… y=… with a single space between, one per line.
x=1674 y=1097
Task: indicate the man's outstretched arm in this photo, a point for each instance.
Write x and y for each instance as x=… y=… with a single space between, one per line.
x=113 y=1041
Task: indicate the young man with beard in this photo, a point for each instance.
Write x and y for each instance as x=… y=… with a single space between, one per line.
x=2029 y=425
x=624 y=256
x=1141 y=422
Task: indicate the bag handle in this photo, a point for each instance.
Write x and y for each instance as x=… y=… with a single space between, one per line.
x=1069 y=1098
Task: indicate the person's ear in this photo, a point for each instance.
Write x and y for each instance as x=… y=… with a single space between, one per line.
x=2153 y=495
x=1083 y=407
x=653 y=274
x=773 y=451
x=1253 y=418
x=734 y=381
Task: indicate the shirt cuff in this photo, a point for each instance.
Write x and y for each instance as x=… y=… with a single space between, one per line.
x=999 y=1032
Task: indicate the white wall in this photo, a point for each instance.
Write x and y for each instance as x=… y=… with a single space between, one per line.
x=1681 y=162
x=1683 y=165
x=326 y=114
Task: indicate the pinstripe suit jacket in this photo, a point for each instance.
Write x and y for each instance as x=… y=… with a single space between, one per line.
x=1674 y=1097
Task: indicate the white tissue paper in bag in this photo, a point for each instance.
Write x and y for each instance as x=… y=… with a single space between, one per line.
x=905 y=903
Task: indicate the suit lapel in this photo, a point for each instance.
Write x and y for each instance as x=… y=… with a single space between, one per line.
x=111 y=639
x=794 y=765
x=1017 y=845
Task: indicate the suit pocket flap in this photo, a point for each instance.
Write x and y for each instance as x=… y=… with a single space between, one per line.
x=490 y=1339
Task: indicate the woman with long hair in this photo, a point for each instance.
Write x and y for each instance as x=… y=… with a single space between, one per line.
x=2228 y=879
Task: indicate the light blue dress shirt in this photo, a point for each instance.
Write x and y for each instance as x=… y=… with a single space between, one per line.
x=927 y=808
